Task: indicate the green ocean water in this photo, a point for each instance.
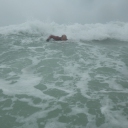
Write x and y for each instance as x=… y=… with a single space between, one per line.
x=72 y=84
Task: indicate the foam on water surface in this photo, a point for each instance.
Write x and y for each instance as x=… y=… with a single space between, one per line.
x=98 y=31
x=72 y=84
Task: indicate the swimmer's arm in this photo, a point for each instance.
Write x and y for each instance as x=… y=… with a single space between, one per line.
x=49 y=38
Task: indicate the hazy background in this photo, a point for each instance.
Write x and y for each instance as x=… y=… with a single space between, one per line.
x=63 y=11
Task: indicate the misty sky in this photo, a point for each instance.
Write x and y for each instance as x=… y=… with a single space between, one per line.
x=63 y=11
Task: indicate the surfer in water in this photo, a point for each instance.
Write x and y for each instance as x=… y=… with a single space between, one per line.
x=57 y=38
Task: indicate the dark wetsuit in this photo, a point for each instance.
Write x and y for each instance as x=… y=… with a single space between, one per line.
x=56 y=38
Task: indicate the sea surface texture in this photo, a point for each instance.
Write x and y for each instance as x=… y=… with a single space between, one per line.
x=78 y=83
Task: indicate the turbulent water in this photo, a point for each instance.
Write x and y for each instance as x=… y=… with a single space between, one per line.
x=79 y=83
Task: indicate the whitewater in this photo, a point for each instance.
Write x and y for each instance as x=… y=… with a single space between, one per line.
x=78 y=83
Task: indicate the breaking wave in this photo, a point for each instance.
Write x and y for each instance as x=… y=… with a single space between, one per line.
x=98 y=31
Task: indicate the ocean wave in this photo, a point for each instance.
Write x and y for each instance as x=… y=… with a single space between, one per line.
x=98 y=31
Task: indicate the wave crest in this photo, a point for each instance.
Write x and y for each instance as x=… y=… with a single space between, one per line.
x=98 y=31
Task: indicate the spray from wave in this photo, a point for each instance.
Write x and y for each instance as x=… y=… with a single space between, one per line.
x=98 y=31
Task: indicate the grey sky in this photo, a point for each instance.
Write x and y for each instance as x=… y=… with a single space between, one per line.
x=63 y=11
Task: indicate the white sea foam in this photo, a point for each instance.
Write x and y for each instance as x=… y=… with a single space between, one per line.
x=25 y=85
x=98 y=31
x=74 y=71
x=112 y=116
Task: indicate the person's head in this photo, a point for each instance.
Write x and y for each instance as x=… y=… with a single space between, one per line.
x=63 y=37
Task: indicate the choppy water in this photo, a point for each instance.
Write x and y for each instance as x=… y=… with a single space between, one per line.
x=72 y=84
